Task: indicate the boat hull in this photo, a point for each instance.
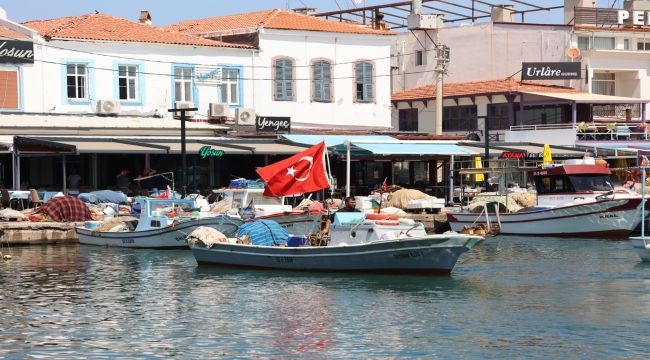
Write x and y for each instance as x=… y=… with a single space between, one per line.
x=610 y=219
x=297 y=222
x=169 y=237
x=639 y=245
x=432 y=254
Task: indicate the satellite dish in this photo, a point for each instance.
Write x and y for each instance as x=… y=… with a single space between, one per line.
x=573 y=52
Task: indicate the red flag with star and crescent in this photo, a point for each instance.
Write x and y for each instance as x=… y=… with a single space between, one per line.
x=302 y=173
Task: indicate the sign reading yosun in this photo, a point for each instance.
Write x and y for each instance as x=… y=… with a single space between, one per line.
x=550 y=71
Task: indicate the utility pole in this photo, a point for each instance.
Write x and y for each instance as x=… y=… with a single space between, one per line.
x=442 y=60
x=183 y=152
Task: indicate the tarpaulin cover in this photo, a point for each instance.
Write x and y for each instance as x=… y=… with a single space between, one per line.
x=264 y=232
x=66 y=208
x=104 y=196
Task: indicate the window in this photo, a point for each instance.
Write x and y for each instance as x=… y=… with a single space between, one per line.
x=459 y=118
x=229 y=87
x=408 y=119
x=626 y=44
x=606 y=43
x=283 y=80
x=497 y=117
x=643 y=45
x=9 y=89
x=322 y=81
x=363 y=78
x=583 y=43
x=604 y=84
x=128 y=82
x=77 y=81
x=183 y=83
x=419 y=58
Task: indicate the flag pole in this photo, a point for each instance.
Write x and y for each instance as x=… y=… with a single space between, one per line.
x=347 y=169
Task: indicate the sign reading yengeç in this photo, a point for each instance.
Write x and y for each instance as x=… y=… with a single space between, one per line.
x=206 y=151
x=550 y=71
x=274 y=124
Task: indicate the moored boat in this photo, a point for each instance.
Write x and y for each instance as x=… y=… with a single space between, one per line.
x=573 y=200
x=355 y=245
x=161 y=224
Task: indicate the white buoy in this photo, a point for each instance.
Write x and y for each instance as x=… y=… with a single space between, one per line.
x=647 y=247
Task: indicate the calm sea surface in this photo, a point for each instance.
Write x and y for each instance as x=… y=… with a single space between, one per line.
x=510 y=297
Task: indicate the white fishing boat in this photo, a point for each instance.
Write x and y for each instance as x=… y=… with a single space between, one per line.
x=162 y=223
x=356 y=244
x=641 y=244
x=573 y=200
x=251 y=204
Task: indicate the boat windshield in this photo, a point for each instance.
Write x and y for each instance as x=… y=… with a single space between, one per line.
x=572 y=183
x=590 y=182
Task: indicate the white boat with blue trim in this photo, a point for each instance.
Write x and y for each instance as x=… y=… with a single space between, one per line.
x=356 y=244
x=162 y=224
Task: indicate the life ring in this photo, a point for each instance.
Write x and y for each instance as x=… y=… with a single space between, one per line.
x=387 y=222
x=375 y=216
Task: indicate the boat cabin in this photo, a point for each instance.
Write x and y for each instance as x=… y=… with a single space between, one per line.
x=250 y=202
x=565 y=183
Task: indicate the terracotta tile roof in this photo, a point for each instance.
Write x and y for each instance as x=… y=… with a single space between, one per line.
x=104 y=27
x=489 y=87
x=271 y=19
x=12 y=35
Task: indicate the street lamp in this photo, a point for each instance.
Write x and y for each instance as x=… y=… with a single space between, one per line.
x=183 y=153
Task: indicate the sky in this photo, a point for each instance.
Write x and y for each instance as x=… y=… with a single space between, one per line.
x=166 y=12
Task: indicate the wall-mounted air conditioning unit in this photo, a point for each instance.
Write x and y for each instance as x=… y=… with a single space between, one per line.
x=246 y=116
x=218 y=110
x=108 y=107
x=183 y=105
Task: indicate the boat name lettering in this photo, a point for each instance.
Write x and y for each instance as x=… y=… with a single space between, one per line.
x=408 y=255
x=539 y=173
x=608 y=216
x=206 y=151
x=284 y=259
x=128 y=241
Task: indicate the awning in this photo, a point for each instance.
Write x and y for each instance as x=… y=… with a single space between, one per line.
x=112 y=146
x=413 y=148
x=528 y=148
x=28 y=145
x=335 y=140
x=589 y=98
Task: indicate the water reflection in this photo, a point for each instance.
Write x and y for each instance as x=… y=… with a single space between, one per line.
x=545 y=298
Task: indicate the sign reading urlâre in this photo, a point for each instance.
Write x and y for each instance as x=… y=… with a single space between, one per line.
x=550 y=71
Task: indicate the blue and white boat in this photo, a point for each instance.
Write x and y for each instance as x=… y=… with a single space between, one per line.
x=356 y=244
x=641 y=244
x=162 y=224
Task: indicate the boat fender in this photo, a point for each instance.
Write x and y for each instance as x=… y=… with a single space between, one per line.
x=387 y=222
x=374 y=216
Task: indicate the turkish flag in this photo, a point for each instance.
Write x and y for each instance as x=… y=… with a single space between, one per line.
x=299 y=174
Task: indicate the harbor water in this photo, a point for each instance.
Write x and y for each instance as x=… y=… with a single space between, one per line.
x=509 y=297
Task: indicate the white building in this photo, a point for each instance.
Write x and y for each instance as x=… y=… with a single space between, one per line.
x=613 y=70
x=320 y=74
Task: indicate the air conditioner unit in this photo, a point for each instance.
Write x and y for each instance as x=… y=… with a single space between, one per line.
x=183 y=105
x=246 y=116
x=108 y=107
x=218 y=110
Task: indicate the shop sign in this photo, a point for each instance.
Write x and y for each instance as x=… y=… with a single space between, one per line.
x=638 y=18
x=276 y=124
x=207 y=151
x=16 y=51
x=550 y=70
x=512 y=155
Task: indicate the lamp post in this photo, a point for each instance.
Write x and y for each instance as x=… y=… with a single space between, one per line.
x=183 y=152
